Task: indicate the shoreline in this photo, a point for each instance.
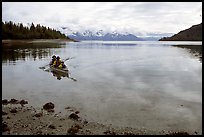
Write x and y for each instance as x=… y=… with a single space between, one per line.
x=20 y=41
x=24 y=119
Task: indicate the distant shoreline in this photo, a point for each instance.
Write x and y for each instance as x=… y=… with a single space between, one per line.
x=4 y=41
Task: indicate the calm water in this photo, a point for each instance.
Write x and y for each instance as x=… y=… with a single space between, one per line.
x=137 y=84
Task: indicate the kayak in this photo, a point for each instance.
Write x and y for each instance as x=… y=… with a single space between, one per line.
x=63 y=70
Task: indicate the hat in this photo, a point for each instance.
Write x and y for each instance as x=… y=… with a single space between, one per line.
x=53 y=56
x=58 y=57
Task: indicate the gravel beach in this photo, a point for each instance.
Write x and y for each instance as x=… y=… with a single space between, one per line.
x=20 y=118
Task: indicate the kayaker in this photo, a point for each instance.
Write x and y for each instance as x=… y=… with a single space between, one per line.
x=62 y=65
x=53 y=60
x=58 y=62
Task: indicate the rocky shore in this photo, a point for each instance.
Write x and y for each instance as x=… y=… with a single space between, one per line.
x=20 y=118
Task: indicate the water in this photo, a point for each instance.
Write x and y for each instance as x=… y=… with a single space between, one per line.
x=138 y=84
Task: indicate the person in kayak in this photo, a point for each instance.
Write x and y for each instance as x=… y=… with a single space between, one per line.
x=53 y=60
x=62 y=65
x=57 y=62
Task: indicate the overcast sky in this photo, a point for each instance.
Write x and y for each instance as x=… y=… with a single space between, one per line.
x=164 y=17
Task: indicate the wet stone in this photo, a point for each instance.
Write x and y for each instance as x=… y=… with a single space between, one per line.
x=23 y=102
x=50 y=110
x=13 y=110
x=13 y=101
x=72 y=130
x=4 y=113
x=5 y=102
x=48 y=106
x=179 y=133
x=5 y=127
x=74 y=116
x=38 y=115
x=52 y=126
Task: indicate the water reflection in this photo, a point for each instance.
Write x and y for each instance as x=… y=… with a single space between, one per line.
x=196 y=50
x=13 y=52
x=60 y=75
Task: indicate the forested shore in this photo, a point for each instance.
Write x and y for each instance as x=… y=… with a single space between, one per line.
x=12 y=30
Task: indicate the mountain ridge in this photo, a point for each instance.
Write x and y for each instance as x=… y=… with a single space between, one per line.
x=111 y=36
x=194 y=33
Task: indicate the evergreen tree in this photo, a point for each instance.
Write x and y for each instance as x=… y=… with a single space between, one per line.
x=11 y=30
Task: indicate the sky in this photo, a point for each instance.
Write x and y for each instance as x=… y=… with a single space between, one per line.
x=132 y=17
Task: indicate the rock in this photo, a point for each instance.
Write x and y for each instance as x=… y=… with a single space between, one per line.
x=67 y=107
x=128 y=133
x=4 y=113
x=78 y=126
x=179 y=133
x=52 y=126
x=73 y=130
x=109 y=132
x=38 y=114
x=5 y=127
x=5 y=102
x=39 y=132
x=13 y=110
x=13 y=101
x=48 y=106
x=50 y=110
x=77 y=112
x=74 y=116
x=23 y=102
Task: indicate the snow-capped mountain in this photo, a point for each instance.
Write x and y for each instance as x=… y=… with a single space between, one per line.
x=110 y=36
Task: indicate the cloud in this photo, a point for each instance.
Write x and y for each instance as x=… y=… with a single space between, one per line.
x=123 y=16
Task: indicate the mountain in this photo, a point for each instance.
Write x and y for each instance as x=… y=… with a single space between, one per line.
x=111 y=36
x=100 y=35
x=193 y=33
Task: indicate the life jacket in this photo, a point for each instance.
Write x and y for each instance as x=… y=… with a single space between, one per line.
x=54 y=63
x=61 y=65
x=58 y=62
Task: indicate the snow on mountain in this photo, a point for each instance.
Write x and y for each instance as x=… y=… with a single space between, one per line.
x=111 y=36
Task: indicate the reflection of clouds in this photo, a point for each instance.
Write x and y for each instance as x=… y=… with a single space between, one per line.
x=173 y=76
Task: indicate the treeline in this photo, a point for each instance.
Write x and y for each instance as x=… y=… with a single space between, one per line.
x=11 y=30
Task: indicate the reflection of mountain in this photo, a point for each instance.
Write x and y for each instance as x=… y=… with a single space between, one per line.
x=14 y=52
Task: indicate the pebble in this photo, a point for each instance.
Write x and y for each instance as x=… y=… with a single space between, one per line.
x=52 y=126
x=13 y=110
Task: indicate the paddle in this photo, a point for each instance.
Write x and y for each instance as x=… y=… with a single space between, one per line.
x=62 y=60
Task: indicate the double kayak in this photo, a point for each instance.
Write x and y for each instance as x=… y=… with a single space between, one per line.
x=61 y=70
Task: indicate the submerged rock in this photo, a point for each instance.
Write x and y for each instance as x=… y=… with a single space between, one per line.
x=74 y=116
x=48 y=106
x=5 y=102
x=13 y=101
x=23 y=102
